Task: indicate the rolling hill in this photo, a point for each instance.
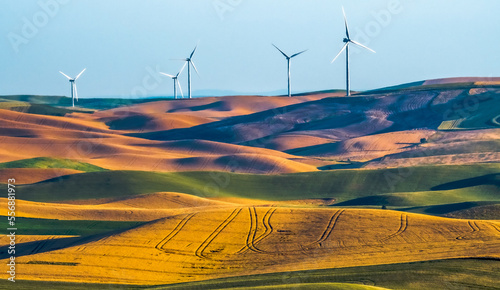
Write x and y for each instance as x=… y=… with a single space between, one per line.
x=251 y=240
x=394 y=188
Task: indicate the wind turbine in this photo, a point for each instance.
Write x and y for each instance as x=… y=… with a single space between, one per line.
x=347 y=40
x=288 y=60
x=176 y=81
x=74 y=92
x=190 y=63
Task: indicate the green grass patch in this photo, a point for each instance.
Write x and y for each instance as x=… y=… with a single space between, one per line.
x=442 y=274
x=47 y=162
x=35 y=108
x=89 y=103
x=343 y=185
x=35 y=226
x=314 y=286
x=475 y=111
x=429 y=198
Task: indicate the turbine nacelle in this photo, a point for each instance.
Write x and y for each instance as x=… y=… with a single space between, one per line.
x=346 y=40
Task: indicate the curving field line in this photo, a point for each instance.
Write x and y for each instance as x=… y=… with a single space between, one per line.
x=495 y=227
x=328 y=231
x=402 y=228
x=266 y=220
x=473 y=225
x=330 y=227
x=251 y=232
x=174 y=232
x=179 y=202
x=251 y=240
x=215 y=233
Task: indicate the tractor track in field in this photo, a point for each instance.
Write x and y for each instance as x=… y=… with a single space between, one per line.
x=199 y=251
x=327 y=232
x=266 y=220
x=473 y=225
x=329 y=229
x=402 y=228
x=251 y=240
x=39 y=247
x=179 y=202
x=251 y=232
x=495 y=227
x=174 y=232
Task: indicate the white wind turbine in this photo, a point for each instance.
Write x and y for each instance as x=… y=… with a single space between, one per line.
x=190 y=63
x=74 y=92
x=176 y=81
x=347 y=40
x=289 y=59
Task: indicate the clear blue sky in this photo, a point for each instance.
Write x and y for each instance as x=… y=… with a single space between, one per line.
x=118 y=40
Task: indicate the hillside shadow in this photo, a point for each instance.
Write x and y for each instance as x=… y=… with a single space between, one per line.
x=36 y=247
x=489 y=179
x=343 y=165
x=442 y=209
x=216 y=106
x=135 y=122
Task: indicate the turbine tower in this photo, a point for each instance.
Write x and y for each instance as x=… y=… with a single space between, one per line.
x=74 y=92
x=176 y=81
x=190 y=63
x=288 y=60
x=347 y=40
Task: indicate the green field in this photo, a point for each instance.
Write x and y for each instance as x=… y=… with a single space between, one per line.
x=443 y=274
x=415 y=186
x=37 y=109
x=34 y=226
x=313 y=286
x=89 y=103
x=47 y=162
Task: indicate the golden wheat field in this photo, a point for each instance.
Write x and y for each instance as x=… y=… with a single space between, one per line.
x=251 y=240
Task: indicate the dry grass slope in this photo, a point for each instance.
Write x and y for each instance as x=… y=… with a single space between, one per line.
x=245 y=240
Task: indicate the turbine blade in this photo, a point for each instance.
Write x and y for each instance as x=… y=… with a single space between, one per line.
x=184 y=66
x=65 y=75
x=167 y=75
x=281 y=51
x=80 y=74
x=343 y=48
x=346 y=26
x=195 y=69
x=192 y=53
x=359 y=44
x=180 y=89
x=294 y=55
